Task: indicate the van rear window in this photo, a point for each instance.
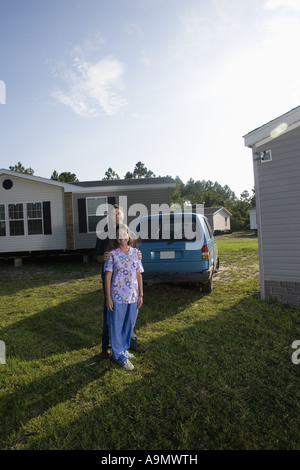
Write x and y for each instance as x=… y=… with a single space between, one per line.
x=168 y=229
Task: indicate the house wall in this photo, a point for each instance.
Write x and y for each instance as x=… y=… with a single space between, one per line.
x=220 y=222
x=278 y=193
x=147 y=197
x=26 y=191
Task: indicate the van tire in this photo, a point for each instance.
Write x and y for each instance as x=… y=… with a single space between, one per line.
x=207 y=287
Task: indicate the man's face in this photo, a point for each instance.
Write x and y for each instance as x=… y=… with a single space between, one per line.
x=117 y=216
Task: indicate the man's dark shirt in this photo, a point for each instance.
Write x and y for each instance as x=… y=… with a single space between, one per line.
x=101 y=247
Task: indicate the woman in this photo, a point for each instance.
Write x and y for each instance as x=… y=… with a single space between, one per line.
x=124 y=294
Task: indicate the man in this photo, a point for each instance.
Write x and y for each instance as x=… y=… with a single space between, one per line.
x=101 y=255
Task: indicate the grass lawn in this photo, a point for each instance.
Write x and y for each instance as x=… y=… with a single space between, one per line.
x=217 y=372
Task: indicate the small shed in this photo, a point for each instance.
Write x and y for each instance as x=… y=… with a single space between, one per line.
x=218 y=218
x=276 y=162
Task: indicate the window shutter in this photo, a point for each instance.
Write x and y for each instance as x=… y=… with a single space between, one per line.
x=111 y=200
x=47 y=218
x=82 y=216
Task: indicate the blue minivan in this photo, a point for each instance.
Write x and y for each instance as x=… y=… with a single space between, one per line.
x=178 y=247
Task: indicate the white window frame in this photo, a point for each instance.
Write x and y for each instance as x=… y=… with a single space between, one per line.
x=94 y=214
x=4 y=220
x=15 y=220
x=37 y=218
x=25 y=219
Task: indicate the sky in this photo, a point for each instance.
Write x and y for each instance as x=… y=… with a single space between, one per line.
x=87 y=85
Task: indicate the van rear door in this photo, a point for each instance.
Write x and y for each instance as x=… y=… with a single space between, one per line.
x=172 y=243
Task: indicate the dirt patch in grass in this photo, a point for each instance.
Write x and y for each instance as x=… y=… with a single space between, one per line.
x=228 y=274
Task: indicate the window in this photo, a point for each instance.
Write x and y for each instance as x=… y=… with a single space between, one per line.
x=2 y=221
x=92 y=204
x=34 y=218
x=7 y=184
x=37 y=216
x=168 y=229
x=16 y=219
x=209 y=229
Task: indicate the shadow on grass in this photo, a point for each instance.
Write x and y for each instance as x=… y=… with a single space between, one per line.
x=77 y=324
x=63 y=329
x=43 y=273
x=55 y=330
x=234 y=235
x=220 y=383
x=34 y=399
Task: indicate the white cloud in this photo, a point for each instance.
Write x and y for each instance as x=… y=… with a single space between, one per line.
x=290 y=4
x=90 y=87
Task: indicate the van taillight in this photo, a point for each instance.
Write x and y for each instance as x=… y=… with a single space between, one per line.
x=205 y=252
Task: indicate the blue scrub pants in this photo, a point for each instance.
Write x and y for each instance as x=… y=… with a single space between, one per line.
x=105 y=332
x=120 y=323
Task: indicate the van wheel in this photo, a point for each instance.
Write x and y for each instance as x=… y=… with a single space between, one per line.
x=207 y=287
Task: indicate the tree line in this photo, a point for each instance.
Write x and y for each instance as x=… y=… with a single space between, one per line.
x=209 y=193
x=214 y=195
x=64 y=177
x=202 y=192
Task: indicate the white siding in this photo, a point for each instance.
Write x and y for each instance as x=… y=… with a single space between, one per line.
x=220 y=220
x=24 y=191
x=279 y=207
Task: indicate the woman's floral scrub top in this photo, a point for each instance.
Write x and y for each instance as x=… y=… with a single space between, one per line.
x=124 y=285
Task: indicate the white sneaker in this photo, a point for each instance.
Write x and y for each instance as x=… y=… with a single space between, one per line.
x=130 y=355
x=127 y=365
